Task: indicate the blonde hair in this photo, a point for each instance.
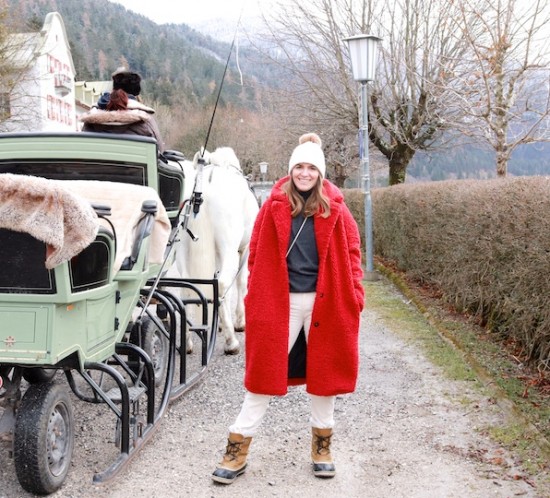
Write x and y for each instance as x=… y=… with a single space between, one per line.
x=316 y=203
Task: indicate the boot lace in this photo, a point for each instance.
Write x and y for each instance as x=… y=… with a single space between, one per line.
x=323 y=444
x=232 y=449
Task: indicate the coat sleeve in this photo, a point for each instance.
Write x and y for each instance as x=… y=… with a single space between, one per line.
x=153 y=125
x=354 y=246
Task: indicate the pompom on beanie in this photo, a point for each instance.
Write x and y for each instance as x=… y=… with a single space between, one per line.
x=309 y=151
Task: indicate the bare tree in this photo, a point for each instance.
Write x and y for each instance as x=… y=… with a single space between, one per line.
x=413 y=106
x=314 y=74
x=254 y=135
x=411 y=101
x=506 y=99
x=17 y=56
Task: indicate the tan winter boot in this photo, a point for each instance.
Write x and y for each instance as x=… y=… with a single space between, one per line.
x=233 y=463
x=320 y=453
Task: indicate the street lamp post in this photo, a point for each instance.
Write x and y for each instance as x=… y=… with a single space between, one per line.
x=362 y=49
x=263 y=171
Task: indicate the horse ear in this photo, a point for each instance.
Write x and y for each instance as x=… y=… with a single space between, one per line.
x=202 y=153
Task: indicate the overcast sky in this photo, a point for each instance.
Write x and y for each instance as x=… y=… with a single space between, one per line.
x=191 y=11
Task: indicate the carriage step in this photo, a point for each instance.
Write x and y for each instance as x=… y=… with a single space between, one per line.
x=134 y=391
x=199 y=329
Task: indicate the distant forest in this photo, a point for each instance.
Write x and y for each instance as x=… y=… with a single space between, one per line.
x=464 y=162
x=176 y=62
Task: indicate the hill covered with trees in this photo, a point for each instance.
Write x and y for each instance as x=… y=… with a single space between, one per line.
x=177 y=62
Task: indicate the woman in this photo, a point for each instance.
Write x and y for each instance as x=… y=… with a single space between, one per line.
x=305 y=273
x=124 y=116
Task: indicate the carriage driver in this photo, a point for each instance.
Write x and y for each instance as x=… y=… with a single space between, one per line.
x=121 y=111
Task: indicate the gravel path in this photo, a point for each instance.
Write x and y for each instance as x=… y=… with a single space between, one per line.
x=405 y=432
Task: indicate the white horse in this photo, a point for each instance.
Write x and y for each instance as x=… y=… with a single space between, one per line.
x=222 y=229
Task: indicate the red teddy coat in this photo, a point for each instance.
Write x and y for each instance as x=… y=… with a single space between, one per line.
x=332 y=352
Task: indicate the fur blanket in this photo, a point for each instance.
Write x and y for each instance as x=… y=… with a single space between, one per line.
x=125 y=201
x=64 y=221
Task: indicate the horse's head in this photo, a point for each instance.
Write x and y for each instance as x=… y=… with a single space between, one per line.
x=225 y=157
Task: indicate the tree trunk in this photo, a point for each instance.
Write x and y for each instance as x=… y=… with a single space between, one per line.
x=398 y=163
x=340 y=176
x=502 y=158
x=398 y=173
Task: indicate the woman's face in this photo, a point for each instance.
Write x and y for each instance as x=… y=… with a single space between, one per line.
x=304 y=176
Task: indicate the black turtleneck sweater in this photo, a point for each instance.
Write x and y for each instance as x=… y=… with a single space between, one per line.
x=303 y=260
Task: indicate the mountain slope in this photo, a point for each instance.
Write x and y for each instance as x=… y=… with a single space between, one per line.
x=176 y=61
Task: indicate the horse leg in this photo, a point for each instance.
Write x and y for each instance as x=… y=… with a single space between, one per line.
x=231 y=345
x=225 y=281
x=240 y=284
x=191 y=313
x=179 y=269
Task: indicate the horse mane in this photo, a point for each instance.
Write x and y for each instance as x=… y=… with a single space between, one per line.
x=225 y=156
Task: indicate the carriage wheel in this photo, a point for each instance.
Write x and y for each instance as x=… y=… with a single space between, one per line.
x=37 y=375
x=156 y=345
x=43 y=438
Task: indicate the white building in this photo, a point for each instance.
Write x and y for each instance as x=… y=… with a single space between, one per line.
x=87 y=94
x=43 y=98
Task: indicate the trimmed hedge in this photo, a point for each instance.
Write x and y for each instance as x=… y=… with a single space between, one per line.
x=484 y=244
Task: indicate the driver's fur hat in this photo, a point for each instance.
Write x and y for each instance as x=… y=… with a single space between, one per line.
x=127 y=80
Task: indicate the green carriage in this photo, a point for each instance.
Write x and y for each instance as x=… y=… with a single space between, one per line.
x=88 y=224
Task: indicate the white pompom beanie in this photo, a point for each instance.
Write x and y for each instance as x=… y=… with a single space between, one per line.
x=309 y=151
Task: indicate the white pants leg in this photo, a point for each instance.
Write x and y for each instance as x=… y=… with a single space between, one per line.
x=322 y=411
x=251 y=415
x=301 y=307
x=255 y=406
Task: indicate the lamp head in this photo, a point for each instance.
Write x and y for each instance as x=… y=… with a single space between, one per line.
x=362 y=50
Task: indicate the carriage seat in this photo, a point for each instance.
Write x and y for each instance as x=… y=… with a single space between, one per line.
x=131 y=206
x=60 y=214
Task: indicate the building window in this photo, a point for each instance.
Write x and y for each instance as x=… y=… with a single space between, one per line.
x=5 y=109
